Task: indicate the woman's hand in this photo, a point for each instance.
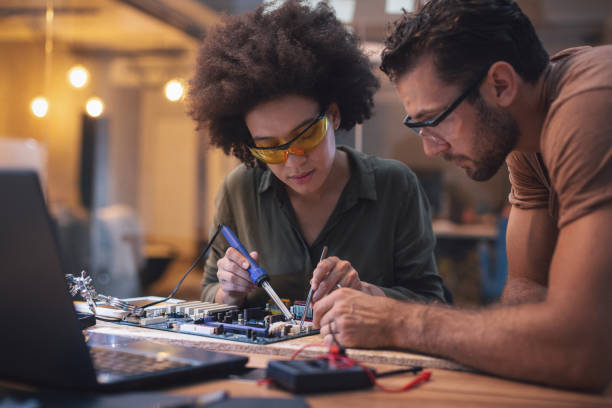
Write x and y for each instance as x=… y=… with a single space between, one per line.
x=333 y=273
x=234 y=279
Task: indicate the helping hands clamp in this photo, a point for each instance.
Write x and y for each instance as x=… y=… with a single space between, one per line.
x=83 y=285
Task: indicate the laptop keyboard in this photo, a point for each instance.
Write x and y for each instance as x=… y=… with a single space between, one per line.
x=121 y=362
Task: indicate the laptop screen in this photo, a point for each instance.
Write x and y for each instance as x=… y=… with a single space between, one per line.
x=41 y=341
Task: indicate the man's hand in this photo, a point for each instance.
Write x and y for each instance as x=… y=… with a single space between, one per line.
x=332 y=272
x=234 y=279
x=356 y=319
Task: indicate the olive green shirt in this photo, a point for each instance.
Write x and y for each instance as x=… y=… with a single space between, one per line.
x=381 y=225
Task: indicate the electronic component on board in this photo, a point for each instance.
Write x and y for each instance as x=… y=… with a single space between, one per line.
x=197 y=328
x=145 y=321
x=287 y=329
x=252 y=325
x=298 y=310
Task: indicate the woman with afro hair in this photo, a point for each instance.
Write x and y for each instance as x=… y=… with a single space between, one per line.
x=272 y=86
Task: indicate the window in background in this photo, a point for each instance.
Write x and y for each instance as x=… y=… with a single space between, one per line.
x=396 y=6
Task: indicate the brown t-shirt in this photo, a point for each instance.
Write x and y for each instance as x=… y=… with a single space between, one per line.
x=572 y=174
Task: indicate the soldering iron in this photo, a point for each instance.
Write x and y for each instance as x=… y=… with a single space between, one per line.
x=258 y=274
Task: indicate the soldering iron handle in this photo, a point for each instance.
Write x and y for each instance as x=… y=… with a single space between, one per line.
x=258 y=274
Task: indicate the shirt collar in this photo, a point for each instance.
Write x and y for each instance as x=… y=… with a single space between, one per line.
x=266 y=180
x=362 y=175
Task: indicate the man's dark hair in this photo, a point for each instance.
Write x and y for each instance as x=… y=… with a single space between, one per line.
x=465 y=37
x=273 y=52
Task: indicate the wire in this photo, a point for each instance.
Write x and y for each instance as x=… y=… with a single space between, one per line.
x=97 y=317
x=193 y=265
x=334 y=337
x=413 y=369
x=108 y=320
x=424 y=376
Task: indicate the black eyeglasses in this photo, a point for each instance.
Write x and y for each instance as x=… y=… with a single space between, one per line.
x=436 y=120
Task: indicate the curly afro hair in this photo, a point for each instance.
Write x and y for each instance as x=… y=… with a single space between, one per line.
x=273 y=52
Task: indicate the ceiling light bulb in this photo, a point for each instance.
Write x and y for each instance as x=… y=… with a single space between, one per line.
x=39 y=107
x=78 y=76
x=94 y=107
x=174 y=90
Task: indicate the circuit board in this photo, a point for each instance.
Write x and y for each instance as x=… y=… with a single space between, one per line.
x=254 y=325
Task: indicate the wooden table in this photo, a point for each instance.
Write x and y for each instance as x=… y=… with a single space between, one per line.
x=451 y=384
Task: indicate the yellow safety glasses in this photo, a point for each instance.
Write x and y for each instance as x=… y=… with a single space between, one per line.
x=302 y=141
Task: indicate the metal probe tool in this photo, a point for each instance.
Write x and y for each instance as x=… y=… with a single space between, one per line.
x=323 y=255
x=258 y=274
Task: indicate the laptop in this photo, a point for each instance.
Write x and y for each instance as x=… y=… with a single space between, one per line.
x=41 y=342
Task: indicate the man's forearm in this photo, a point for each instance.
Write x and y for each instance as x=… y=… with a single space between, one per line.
x=519 y=291
x=529 y=342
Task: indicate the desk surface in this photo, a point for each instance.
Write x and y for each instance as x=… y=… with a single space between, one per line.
x=452 y=385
